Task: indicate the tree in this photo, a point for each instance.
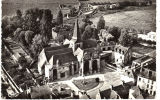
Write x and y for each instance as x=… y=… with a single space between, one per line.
x=60 y=18
x=22 y=38
x=29 y=36
x=17 y=33
x=95 y=34
x=38 y=43
x=125 y=39
x=101 y=23
x=18 y=13
x=8 y=31
x=72 y=11
x=22 y=61
x=115 y=31
x=85 y=35
x=46 y=24
x=31 y=19
x=17 y=20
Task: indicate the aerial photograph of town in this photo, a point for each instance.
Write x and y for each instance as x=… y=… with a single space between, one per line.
x=78 y=49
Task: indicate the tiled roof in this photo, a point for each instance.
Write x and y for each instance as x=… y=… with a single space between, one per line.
x=64 y=58
x=50 y=53
x=56 y=48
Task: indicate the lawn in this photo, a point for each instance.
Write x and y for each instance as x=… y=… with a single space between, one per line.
x=130 y=17
x=138 y=19
x=86 y=84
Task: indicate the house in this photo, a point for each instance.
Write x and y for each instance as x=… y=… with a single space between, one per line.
x=140 y=62
x=57 y=62
x=151 y=36
x=106 y=92
x=146 y=79
x=135 y=93
x=122 y=55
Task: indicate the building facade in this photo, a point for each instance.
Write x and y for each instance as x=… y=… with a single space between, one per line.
x=122 y=55
x=151 y=36
x=57 y=62
x=146 y=79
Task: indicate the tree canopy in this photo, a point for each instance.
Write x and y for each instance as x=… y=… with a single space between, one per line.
x=101 y=23
x=125 y=39
x=59 y=18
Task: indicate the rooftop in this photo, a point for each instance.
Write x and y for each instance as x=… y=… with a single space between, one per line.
x=121 y=48
x=137 y=93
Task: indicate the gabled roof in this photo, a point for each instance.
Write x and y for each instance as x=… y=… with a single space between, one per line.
x=122 y=48
x=49 y=52
x=64 y=58
x=56 y=48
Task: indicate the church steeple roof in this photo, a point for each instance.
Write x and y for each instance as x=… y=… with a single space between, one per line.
x=76 y=33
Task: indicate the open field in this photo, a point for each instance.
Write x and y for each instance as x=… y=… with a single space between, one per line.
x=138 y=19
x=9 y=7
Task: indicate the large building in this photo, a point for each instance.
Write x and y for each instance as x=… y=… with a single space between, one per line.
x=122 y=55
x=146 y=79
x=151 y=36
x=57 y=62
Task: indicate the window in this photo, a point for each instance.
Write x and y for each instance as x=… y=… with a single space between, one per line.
x=147 y=86
x=151 y=87
x=119 y=50
x=150 y=73
x=123 y=52
x=109 y=48
x=120 y=57
x=152 y=82
x=62 y=75
x=150 y=92
x=117 y=60
x=104 y=49
x=154 y=93
x=139 y=79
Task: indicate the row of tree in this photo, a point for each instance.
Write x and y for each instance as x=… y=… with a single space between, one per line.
x=33 y=28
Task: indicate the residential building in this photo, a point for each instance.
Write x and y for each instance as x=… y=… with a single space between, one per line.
x=146 y=79
x=106 y=92
x=140 y=62
x=151 y=36
x=135 y=93
x=122 y=55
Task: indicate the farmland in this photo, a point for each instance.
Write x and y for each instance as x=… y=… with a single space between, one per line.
x=138 y=19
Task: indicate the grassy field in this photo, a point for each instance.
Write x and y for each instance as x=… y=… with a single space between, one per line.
x=137 y=18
